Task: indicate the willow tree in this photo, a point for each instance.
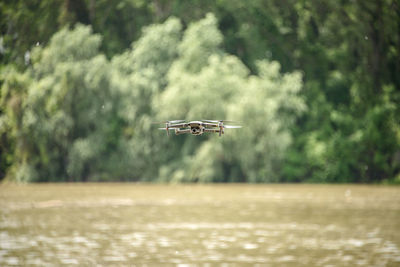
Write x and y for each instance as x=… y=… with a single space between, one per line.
x=66 y=110
x=76 y=116
x=206 y=82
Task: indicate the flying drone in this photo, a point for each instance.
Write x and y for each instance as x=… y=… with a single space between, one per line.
x=197 y=127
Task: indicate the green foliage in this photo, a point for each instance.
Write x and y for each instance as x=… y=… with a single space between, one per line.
x=86 y=118
x=316 y=80
x=222 y=87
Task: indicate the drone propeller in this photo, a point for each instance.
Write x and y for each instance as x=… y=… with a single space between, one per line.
x=173 y=121
x=222 y=127
x=232 y=126
x=177 y=121
x=217 y=121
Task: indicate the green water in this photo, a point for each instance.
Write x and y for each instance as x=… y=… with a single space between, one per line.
x=190 y=225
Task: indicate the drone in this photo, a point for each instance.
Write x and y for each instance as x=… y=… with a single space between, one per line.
x=197 y=127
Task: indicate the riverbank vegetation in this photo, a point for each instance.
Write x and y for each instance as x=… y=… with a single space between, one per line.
x=316 y=85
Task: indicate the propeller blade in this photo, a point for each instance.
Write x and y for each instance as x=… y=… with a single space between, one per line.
x=216 y=121
x=176 y=121
x=232 y=126
x=173 y=121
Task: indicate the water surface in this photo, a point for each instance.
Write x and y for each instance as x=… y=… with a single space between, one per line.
x=185 y=225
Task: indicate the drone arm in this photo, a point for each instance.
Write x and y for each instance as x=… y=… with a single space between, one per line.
x=178 y=125
x=208 y=124
x=181 y=131
x=207 y=130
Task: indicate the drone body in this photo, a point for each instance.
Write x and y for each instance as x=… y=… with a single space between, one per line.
x=197 y=127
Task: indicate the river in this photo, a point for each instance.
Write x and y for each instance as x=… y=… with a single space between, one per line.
x=122 y=224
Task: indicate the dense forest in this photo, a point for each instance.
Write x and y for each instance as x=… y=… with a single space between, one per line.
x=315 y=83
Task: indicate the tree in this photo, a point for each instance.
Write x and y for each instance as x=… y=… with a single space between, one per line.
x=57 y=128
x=347 y=53
x=205 y=82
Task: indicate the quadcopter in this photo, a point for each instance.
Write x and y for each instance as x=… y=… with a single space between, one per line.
x=197 y=127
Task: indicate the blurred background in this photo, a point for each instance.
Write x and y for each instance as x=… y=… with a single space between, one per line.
x=315 y=83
